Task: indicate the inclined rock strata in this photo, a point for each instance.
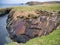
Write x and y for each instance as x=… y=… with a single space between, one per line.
x=22 y=28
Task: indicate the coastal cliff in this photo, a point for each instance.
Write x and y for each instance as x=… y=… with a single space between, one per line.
x=25 y=25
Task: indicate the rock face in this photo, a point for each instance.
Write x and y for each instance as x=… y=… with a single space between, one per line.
x=23 y=26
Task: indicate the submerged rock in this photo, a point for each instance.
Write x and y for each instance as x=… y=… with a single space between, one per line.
x=23 y=26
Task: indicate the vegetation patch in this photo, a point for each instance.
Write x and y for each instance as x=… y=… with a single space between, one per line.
x=4 y=11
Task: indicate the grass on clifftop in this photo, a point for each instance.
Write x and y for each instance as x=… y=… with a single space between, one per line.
x=51 y=39
x=53 y=7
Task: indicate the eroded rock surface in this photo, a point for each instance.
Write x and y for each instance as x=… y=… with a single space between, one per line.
x=23 y=26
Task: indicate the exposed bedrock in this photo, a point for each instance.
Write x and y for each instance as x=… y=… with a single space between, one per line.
x=25 y=25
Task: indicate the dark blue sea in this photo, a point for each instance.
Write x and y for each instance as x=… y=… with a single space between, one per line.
x=3 y=32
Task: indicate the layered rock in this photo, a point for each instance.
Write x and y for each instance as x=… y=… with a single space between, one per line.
x=23 y=26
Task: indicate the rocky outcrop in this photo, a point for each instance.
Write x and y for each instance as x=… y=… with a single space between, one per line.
x=23 y=26
x=4 y=11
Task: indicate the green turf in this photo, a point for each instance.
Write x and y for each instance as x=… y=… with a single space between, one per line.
x=38 y=7
x=51 y=39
